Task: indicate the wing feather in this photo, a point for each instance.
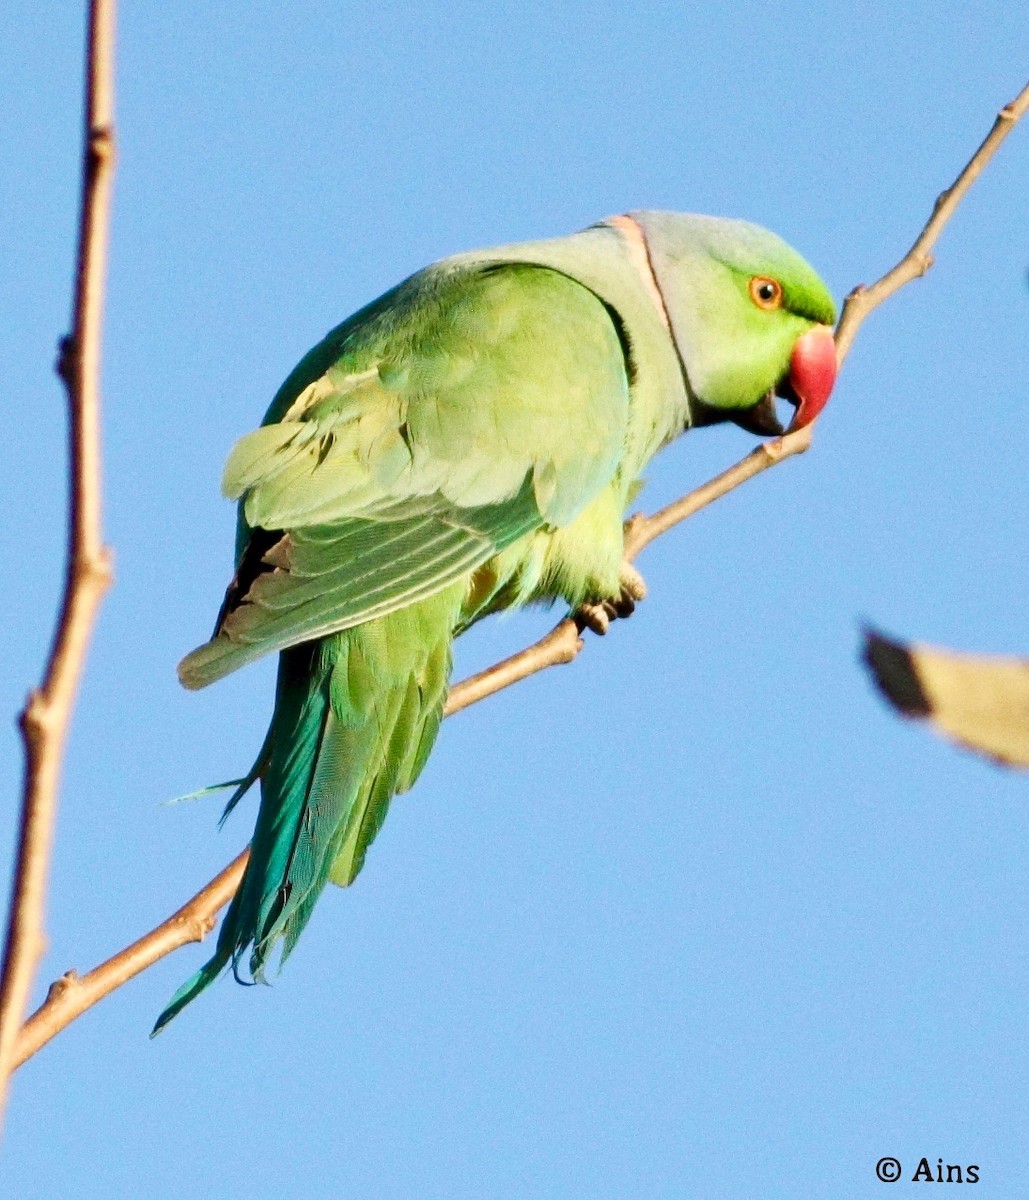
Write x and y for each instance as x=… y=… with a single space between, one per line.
x=458 y=413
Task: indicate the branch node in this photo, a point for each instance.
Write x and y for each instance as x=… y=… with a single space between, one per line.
x=60 y=987
x=95 y=570
x=797 y=442
x=633 y=525
x=67 y=357
x=198 y=927
x=573 y=651
x=35 y=718
x=101 y=144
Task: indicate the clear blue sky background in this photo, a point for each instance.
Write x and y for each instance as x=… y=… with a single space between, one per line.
x=693 y=918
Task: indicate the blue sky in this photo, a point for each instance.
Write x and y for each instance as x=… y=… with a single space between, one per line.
x=692 y=917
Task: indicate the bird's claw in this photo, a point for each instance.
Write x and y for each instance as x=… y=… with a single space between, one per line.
x=597 y=616
x=633 y=585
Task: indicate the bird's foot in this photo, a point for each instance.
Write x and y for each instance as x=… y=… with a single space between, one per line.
x=598 y=616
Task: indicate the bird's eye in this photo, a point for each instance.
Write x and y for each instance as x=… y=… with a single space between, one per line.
x=765 y=292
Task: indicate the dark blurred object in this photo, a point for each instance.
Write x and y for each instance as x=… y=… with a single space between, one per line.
x=979 y=701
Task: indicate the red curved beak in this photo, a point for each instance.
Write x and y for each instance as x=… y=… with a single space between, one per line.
x=812 y=373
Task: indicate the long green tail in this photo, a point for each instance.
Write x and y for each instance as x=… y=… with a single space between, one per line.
x=356 y=715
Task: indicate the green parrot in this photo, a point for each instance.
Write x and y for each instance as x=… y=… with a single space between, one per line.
x=469 y=443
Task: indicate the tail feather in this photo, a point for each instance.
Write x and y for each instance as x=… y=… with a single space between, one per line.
x=301 y=740
x=202 y=978
x=355 y=717
x=192 y=988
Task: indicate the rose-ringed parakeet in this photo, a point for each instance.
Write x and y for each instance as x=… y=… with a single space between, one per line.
x=468 y=443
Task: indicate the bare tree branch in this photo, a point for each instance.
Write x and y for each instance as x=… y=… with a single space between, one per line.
x=919 y=258
x=73 y=994
x=45 y=718
x=70 y=996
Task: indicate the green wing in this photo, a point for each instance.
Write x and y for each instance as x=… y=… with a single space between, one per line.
x=457 y=413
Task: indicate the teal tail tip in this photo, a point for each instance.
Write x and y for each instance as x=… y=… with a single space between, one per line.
x=201 y=792
x=192 y=988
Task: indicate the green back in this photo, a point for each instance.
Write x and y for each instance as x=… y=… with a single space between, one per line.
x=454 y=415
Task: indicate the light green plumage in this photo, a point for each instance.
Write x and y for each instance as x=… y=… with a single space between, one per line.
x=465 y=443
x=430 y=443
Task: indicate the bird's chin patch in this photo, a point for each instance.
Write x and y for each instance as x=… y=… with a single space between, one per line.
x=761 y=419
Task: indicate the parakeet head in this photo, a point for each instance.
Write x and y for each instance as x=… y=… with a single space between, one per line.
x=750 y=319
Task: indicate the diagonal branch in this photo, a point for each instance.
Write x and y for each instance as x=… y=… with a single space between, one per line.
x=72 y=995
x=45 y=718
x=564 y=642
x=919 y=258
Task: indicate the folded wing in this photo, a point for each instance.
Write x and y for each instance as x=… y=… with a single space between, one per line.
x=458 y=413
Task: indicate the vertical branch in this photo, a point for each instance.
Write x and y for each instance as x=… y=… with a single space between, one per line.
x=47 y=713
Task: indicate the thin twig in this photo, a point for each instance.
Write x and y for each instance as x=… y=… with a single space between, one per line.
x=71 y=996
x=45 y=718
x=919 y=258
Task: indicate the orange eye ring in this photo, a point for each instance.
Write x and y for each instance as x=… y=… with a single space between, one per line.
x=766 y=292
